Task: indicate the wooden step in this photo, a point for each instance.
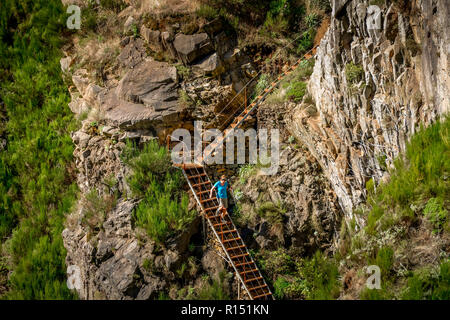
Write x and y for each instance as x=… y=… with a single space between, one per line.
x=201 y=184
x=212 y=208
x=253 y=279
x=203 y=192
x=258 y=287
x=206 y=200
x=234 y=248
x=214 y=217
x=221 y=224
x=197 y=176
x=263 y=295
x=227 y=231
x=248 y=271
x=229 y=240
x=240 y=256
x=243 y=264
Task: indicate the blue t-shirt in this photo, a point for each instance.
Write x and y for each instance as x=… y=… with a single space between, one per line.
x=221 y=189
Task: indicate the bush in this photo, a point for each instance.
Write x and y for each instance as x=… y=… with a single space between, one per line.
x=428 y=284
x=297 y=91
x=436 y=213
x=163 y=210
x=36 y=189
x=271 y=212
x=280 y=286
x=214 y=290
x=207 y=12
x=321 y=277
x=416 y=177
x=306 y=41
x=354 y=73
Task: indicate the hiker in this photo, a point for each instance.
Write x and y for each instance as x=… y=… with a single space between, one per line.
x=221 y=187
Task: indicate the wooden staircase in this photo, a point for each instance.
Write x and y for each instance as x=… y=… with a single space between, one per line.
x=226 y=233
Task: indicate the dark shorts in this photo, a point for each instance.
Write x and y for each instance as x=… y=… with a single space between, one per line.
x=223 y=202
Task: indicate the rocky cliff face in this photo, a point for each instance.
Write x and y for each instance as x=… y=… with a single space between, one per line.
x=372 y=88
x=140 y=87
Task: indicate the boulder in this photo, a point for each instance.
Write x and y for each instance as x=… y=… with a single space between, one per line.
x=210 y=65
x=153 y=38
x=152 y=83
x=133 y=53
x=192 y=47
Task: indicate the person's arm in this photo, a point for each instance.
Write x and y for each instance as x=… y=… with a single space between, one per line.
x=212 y=190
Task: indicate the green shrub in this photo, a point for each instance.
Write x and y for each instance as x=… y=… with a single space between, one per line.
x=354 y=73
x=306 y=41
x=280 y=286
x=207 y=12
x=163 y=210
x=321 y=277
x=436 y=213
x=297 y=91
x=36 y=189
x=428 y=284
x=114 y=5
x=149 y=165
x=214 y=290
x=417 y=176
x=271 y=212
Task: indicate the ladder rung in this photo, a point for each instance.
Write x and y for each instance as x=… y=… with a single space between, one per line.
x=202 y=192
x=221 y=224
x=244 y=264
x=234 y=248
x=210 y=199
x=229 y=240
x=211 y=208
x=258 y=287
x=197 y=176
x=262 y=295
x=253 y=279
x=227 y=231
x=201 y=184
x=248 y=271
x=214 y=217
x=239 y=256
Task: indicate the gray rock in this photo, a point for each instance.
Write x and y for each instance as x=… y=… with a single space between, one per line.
x=192 y=47
x=209 y=65
x=153 y=38
x=152 y=83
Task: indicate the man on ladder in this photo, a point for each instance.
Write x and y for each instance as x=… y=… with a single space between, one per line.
x=222 y=188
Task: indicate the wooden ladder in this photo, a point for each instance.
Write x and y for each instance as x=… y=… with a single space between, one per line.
x=226 y=233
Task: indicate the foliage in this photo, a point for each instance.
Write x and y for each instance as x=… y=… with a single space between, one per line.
x=207 y=12
x=436 y=213
x=296 y=91
x=416 y=177
x=164 y=208
x=306 y=41
x=245 y=172
x=321 y=277
x=272 y=212
x=428 y=284
x=214 y=290
x=35 y=187
x=354 y=73
x=95 y=209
